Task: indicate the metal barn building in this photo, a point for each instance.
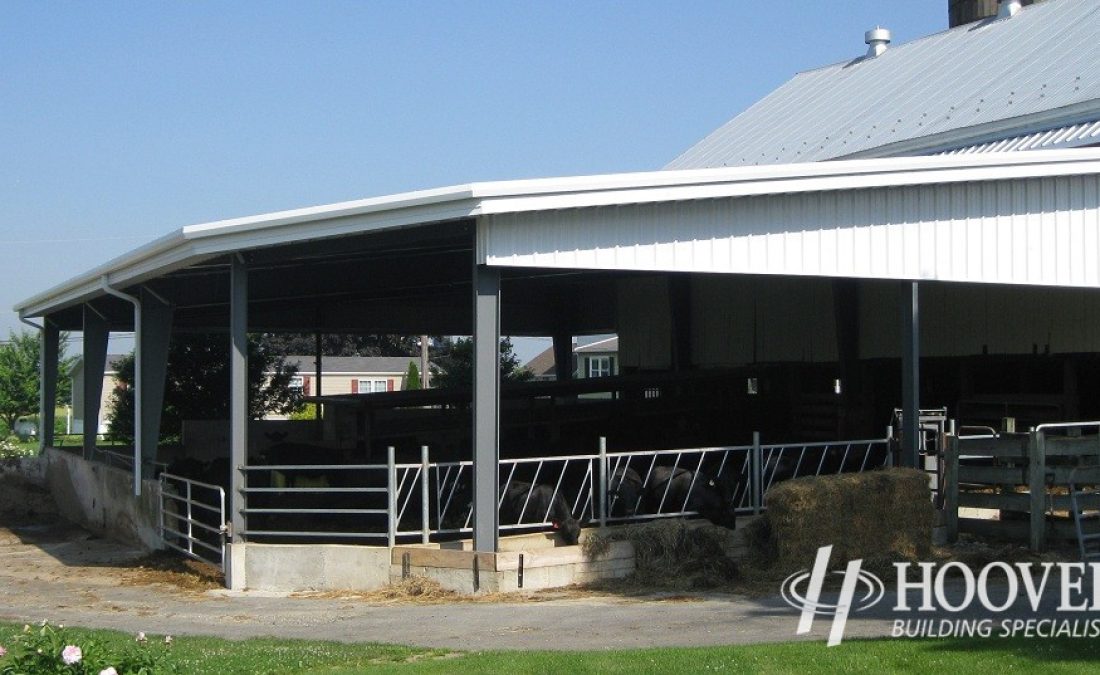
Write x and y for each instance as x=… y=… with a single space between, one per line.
x=881 y=233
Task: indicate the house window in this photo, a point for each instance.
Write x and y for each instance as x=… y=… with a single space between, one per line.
x=297 y=382
x=372 y=386
x=600 y=366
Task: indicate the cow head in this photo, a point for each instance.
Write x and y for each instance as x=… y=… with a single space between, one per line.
x=570 y=530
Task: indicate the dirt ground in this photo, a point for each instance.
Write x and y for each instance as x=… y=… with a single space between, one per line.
x=52 y=570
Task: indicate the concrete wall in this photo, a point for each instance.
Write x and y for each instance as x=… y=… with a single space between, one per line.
x=101 y=499
x=312 y=567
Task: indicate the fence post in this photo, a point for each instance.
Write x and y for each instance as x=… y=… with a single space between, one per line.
x=425 y=508
x=755 y=470
x=889 y=446
x=391 y=497
x=602 y=497
x=1037 y=489
x=190 y=527
x=951 y=488
x=160 y=509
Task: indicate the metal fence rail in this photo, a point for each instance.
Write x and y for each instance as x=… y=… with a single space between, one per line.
x=409 y=501
x=192 y=518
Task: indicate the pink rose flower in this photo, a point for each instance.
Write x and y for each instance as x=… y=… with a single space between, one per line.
x=71 y=655
x=3 y=652
x=108 y=671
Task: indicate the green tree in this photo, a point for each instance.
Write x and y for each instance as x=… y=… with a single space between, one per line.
x=455 y=359
x=197 y=385
x=19 y=376
x=412 y=377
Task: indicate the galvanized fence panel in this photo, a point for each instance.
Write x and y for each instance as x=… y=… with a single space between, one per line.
x=192 y=518
x=409 y=501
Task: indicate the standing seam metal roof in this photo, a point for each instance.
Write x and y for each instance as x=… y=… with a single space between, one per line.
x=1046 y=58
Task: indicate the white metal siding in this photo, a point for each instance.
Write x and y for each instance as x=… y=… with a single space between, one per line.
x=1043 y=231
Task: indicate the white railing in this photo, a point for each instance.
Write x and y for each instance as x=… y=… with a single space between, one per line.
x=192 y=518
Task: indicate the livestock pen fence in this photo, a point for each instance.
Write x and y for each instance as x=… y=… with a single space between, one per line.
x=402 y=501
x=1038 y=486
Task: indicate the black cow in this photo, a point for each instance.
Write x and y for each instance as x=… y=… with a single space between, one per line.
x=668 y=491
x=541 y=505
x=624 y=491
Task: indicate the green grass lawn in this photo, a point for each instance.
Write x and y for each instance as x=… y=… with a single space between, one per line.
x=211 y=655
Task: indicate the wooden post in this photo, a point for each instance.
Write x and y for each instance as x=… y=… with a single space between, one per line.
x=951 y=487
x=1037 y=487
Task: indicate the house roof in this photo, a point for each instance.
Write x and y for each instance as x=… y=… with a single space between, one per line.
x=542 y=364
x=610 y=344
x=354 y=364
x=975 y=83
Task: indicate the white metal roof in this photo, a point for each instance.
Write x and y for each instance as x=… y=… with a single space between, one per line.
x=194 y=244
x=1069 y=136
x=972 y=84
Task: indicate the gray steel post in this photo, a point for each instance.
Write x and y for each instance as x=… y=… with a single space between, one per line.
x=238 y=396
x=425 y=503
x=756 y=471
x=603 y=482
x=486 y=407
x=910 y=374
x=96 y=334
x=391 y=496
x=51 y=339
x=156 y=331
x=318 y=371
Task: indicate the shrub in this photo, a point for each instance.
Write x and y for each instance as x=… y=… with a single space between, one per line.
x=12 y=448
x=52 y=650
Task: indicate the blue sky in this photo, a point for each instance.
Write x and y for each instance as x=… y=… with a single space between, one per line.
x=120 y=122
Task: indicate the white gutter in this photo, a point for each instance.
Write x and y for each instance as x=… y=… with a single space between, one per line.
x=106 y=288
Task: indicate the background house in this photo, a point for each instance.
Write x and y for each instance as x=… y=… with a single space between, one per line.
x=597 y=359
x=110 y=381
x=352 y=374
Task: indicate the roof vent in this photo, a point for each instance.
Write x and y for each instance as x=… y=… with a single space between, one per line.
x=876 y=40
x=1009 y=8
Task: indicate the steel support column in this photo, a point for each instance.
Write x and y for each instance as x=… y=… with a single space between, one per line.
x=47 y=402
x=238 y=415
x=563 y=357
x=318 y=371
x=910 y=374
x=155 y=333
x=96 y=333
x=486 y=407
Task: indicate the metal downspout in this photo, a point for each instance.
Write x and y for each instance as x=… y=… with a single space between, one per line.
x=106 y=287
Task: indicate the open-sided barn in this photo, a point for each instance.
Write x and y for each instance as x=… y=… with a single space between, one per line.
x=876 y=234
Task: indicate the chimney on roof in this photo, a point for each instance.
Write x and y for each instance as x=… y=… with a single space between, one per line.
x=968 y=11
x=877 y=41
x=1009 y=8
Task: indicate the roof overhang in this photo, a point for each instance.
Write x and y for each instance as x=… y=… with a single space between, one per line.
x=194 y=244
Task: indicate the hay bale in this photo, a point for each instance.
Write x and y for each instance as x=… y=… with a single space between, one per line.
x=672 y=554
x=874 y=516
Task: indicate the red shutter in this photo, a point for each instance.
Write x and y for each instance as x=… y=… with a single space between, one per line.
x=389 y=385
x=305 y=385
x=355 y=386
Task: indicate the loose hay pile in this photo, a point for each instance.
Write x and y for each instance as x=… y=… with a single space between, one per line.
x=673 y=554
x=163 y=567
x=876 y=516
